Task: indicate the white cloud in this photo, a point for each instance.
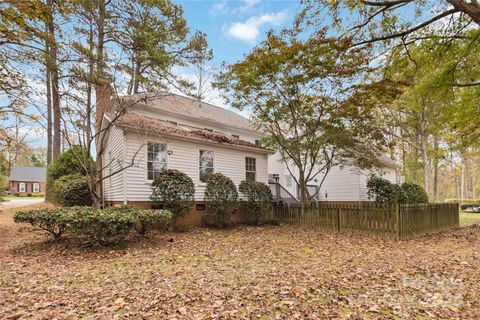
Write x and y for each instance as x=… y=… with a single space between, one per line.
x=220 y=7
x=249 y=30
x=248 y=5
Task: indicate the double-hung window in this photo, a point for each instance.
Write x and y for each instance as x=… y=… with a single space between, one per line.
x=205 y=165
x=21 y=187
x=36 y=187
x=156 y=159
x=250 y=169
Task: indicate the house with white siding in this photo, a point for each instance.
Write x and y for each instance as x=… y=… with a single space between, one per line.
x=163 y=130
x=143 y=134
x=341 y=184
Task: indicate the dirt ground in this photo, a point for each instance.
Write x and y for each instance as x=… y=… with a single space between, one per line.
x=274 y=272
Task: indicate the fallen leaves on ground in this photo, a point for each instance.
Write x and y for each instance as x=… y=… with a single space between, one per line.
x=242 y=273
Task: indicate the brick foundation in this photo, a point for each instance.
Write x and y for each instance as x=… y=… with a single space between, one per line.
x=195 y=217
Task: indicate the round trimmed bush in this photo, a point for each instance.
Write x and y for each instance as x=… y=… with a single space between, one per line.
x=75 y=192
x=174 y=190
x=258 y=198
x=382 y=190
x=413 y=193
x=221 y=198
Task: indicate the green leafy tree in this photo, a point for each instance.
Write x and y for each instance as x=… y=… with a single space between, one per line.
x=221 y=198
x=175 y=190
x=401 y=20
x=69 y=163
x=155 y=36
x=297 y=91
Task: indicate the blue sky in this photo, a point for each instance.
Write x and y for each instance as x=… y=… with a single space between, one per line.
x=233 y=28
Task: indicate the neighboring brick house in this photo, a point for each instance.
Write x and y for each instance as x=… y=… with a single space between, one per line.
x=25 y=181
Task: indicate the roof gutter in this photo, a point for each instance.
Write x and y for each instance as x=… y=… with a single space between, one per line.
x=209 y=142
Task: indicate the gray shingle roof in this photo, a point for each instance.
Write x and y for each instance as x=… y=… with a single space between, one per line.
x=178 y=104
x=28 y=174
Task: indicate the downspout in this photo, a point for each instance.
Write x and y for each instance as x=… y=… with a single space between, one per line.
x=124 y=172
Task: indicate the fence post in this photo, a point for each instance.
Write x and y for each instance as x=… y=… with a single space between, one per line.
x=277 y=188
x=338 y=219
x=397 y=220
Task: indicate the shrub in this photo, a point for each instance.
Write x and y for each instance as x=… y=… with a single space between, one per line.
x=110 y=226
x=382 y=190
x=175 y=190
x=38 y=195
x=54 y=221
x=412 y=193
x=221 y=198
x=101 y=227
x=259 y=198
x=153 y=219
x=3 y=186
x=60 y=183
x=68 y=163
x=76 y=193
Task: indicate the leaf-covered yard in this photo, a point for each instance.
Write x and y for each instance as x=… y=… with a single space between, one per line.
x=247 y=272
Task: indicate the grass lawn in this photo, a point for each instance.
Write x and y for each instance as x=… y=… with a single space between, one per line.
x=9 y=198
x=242 y=273
x=467 y=219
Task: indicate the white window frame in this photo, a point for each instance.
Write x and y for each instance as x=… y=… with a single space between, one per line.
x=247 y=171
x=22 y=187
x=147 y=161
x=198 y=163
x=36 y=187
x=288 y=181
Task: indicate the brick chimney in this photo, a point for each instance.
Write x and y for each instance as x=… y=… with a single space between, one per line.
x=104 y=100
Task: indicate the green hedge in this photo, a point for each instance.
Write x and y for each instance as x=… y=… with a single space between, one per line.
x=382 y=190
x=76 y=193
x=221 y=198
x=174 y=190
x=53 y=221
x=258 y=198
x=69 y=163
x=109 y=226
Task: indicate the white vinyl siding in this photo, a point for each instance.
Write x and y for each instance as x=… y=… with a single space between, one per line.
x=184 y=156
x=113 y=161
x=341 y=184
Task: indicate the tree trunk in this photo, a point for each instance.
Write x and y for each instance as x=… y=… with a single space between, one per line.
x=91 y=76
x=136 y=76
x=471 y=8
x=96 y=187
x=462 y=181
x=435 y=169
x=49 y=105
x=425 y=160
x=303 y=188
x=53 y=64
